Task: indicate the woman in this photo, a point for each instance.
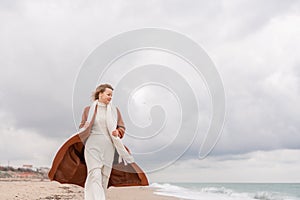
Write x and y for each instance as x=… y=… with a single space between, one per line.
x=99 y=148
x=89 y=158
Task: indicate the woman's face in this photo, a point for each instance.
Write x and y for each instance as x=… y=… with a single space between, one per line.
x=106 y=96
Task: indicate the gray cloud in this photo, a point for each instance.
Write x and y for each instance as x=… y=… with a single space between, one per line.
x=43 y=45
x=260 y=166
x=39 y=112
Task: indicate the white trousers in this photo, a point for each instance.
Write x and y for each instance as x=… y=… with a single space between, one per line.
x=99 y=155
x=95 y=186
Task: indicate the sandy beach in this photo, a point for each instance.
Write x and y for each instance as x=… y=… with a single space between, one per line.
x=13 y=189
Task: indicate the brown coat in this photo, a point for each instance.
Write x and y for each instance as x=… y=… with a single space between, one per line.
x=69 y=164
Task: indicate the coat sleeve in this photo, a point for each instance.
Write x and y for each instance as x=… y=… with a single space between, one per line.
x=120 y=124
x=84 y=116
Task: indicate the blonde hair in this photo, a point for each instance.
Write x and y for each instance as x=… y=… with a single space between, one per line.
x=100 y=89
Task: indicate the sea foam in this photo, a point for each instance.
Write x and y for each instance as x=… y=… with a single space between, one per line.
x=195 y=192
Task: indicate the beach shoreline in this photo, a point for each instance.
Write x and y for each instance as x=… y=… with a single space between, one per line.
x=33 y=189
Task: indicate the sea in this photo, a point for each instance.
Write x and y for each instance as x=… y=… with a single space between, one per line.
x=229 y=191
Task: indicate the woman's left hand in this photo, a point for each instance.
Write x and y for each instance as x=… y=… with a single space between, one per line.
x=116 y=133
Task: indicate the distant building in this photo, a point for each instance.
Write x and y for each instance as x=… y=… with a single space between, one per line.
x=27 y=166
x=43 y=169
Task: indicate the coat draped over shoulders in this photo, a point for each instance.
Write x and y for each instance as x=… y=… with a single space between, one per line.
x=69 y=165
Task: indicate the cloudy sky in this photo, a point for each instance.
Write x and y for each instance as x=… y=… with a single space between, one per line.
x=255 y=48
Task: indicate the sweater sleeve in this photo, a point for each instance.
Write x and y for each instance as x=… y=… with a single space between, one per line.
x=120 y=124
x=84 y=116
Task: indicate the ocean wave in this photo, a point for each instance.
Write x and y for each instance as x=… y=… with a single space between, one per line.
x=220 y=190
x=208 y=193
x=263 y=195
x=214 y=193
